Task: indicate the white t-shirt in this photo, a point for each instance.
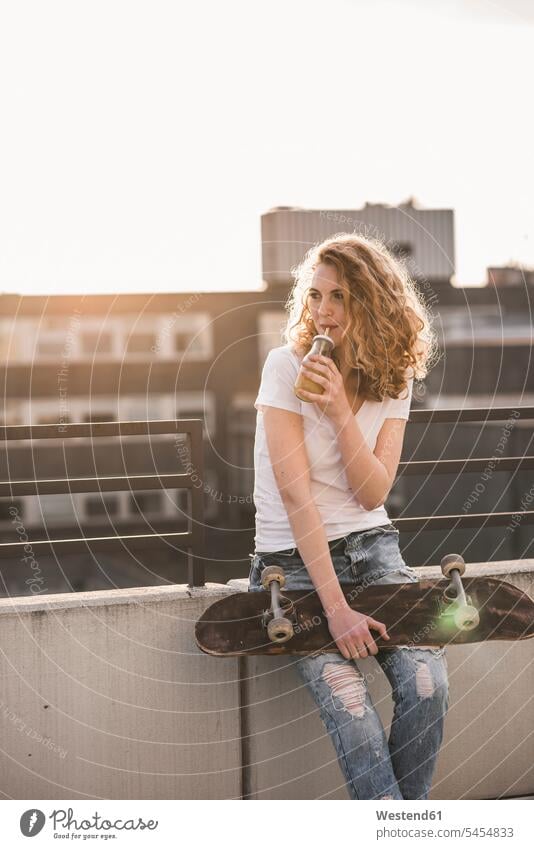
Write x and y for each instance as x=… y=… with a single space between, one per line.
x=340 y=512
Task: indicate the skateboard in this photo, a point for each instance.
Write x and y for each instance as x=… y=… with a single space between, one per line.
x=427 y=613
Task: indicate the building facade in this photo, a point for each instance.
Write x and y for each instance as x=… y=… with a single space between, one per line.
x=199 y=355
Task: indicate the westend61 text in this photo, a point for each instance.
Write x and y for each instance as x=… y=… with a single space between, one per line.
x=408 y=815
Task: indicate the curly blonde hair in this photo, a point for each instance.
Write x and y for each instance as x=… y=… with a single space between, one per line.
x=388 y=338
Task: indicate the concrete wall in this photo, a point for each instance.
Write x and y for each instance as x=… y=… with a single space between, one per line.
x=105 y=695
x=128 y=706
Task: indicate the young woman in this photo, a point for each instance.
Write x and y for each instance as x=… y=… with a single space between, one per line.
x=323 y=471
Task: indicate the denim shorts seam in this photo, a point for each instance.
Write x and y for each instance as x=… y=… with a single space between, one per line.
x=357 y=540
x=284 y=552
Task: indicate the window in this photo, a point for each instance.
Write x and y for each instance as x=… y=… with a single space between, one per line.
x=197 y=405
x=96 y=343
x=143 y=503
x=483 y=324
x=102 y=505
x=242 y=428
x=57 y=336
x=93 y=418
x=56 y=508
x=140 y=343
x=182 y=502
x=192 y=336
x=44 y=420
x=396 y=501
x=188 y=343
x=13 y=412
x=16 y=508
x=400 y=249
x=50 y=346
x=57 y=322
x=139 y=410
x=270 y=327
x=213 y=498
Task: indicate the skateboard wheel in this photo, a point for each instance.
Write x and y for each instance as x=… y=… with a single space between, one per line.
x=450 y=562
x=272 y=573
x=280 y=630
x=466 y=617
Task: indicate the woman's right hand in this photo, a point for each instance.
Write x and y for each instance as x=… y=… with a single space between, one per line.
x=351 y=632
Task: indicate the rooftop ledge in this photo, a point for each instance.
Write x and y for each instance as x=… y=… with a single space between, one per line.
x=105 y=695
x=107 y=598
x=510 y=569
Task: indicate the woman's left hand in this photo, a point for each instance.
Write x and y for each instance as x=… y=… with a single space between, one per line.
x=333 y=402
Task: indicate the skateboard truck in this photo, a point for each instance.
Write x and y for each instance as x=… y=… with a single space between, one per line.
x=465 y=616
x=279 y=627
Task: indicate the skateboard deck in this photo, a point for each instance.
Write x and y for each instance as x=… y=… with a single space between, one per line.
x=414 y=614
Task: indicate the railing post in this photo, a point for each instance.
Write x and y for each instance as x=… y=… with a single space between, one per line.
x=195 y=554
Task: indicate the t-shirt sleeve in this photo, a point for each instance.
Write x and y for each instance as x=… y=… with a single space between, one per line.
x=277 y=381
x=399 y=408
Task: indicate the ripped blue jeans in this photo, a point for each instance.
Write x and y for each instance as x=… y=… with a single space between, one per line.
x=374 y=767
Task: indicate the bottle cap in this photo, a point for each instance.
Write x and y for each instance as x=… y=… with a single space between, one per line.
x=322 y=336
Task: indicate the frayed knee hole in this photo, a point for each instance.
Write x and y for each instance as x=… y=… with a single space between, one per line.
x=346 y=684
x=424 y=684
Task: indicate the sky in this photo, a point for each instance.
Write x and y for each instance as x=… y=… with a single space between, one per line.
x=142 y=141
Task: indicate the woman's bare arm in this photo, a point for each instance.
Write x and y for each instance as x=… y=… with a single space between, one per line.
x=285 y=440
x=370 y=475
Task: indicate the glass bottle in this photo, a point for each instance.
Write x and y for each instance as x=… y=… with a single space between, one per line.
x=321 y=345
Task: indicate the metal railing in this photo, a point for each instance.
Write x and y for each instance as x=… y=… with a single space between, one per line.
x=464 y=466
x=190 y=542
